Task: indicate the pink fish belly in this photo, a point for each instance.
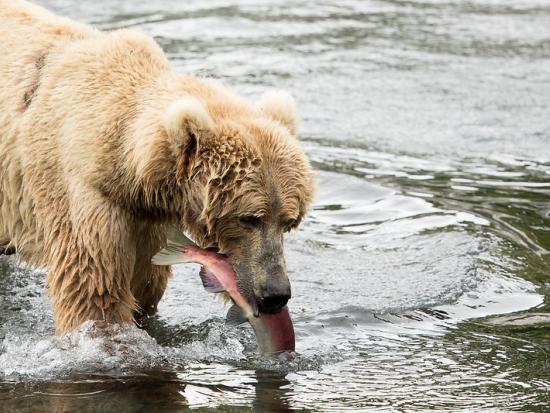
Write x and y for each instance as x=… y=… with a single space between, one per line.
x=280 y=329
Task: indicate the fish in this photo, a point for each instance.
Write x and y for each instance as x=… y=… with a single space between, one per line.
x=274 y=332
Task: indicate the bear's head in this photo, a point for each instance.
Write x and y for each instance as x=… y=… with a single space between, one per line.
x=244 y=182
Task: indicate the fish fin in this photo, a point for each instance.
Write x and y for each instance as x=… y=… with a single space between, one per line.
x=175 y=236
x=210 y=282
x=168 y=256
x=234 y=316
x=171 y=254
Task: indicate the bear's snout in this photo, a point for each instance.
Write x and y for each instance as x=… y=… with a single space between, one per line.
x=275 y=294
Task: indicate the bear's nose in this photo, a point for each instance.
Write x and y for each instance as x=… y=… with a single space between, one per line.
x=274 y=296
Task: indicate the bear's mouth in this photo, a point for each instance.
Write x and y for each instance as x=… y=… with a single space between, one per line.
x=268 y=305
x=216 y=249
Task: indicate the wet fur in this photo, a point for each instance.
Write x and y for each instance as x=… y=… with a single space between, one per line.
x=92 y=168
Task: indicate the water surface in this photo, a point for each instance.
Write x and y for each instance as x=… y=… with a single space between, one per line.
x=420 y=279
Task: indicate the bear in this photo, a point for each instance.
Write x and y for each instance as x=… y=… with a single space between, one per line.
x=103 y=147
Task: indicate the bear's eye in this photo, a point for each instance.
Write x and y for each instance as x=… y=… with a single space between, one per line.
x=289 y=225
x=250 y=221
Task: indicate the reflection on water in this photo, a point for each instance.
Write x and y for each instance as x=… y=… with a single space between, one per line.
x=420 y=279
x=158 y=390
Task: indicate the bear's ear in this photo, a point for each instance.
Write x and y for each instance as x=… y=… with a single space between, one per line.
x=280 y=106
x=186 y=120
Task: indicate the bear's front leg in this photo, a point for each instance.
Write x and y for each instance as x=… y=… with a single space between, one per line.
x=90 y=266
x=149 y=281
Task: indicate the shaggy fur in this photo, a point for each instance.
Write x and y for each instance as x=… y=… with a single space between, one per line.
x=102 y=146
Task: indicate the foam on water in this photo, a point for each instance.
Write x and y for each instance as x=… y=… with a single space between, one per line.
x=86 y=349
x=115 y=349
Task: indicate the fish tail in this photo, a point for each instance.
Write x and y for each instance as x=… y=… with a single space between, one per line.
x=172 y=253
x=175 y=236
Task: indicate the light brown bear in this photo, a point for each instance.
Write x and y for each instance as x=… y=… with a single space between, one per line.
x=102 y=146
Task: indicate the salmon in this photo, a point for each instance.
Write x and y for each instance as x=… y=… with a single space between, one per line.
x=274 y=332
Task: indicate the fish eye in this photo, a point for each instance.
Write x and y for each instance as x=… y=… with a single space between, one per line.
x=250 y=221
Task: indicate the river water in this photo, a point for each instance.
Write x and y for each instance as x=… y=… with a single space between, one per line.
x=420 y=279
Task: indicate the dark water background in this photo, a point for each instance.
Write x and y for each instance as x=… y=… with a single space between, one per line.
x=421 y=278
